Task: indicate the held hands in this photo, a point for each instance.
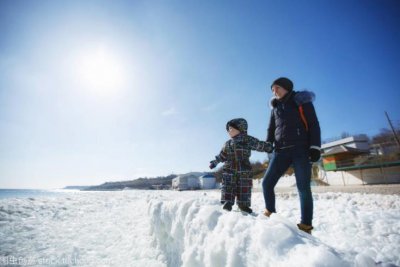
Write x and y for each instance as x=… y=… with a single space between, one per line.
x=269 y=148
x=213 y=164
x=315 y=154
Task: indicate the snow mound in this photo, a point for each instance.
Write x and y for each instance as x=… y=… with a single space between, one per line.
x=169 y=228
x=196 y=232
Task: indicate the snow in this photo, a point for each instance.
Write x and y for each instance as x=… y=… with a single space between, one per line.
x=169 y=228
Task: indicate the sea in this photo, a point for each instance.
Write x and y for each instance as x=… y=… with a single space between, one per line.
x=32 y=193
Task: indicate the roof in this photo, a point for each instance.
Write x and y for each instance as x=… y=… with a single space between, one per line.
x=348 y=140
x=208 y=176
x=344 y=150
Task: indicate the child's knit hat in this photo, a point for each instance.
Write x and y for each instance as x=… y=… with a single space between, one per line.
x=239 y=124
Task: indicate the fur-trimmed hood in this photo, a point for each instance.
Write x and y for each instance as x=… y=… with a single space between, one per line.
x=301 y=97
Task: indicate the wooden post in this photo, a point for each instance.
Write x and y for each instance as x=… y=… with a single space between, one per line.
x=382 y=171
x=343 y=179
x=362 y=178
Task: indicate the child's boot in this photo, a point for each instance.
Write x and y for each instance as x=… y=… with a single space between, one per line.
x=245 y=209
x=227 y=206
x=305 y=228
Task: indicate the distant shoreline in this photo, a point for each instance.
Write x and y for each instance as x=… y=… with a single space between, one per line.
x=385 y=189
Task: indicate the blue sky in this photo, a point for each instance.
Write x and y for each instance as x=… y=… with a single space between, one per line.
x=94 y=91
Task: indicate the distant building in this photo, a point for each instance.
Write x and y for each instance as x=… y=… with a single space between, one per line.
x=350 y=161
x=342 y=153
x=384 y=149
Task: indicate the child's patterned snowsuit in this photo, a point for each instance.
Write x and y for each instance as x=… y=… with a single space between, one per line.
x=237 y=175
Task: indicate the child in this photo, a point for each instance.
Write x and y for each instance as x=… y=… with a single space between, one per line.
x=237 y=175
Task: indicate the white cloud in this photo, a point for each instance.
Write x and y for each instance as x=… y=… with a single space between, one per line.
x=169 y=112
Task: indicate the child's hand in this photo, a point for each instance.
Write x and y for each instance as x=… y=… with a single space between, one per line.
x=269 y=148
x=213 y=164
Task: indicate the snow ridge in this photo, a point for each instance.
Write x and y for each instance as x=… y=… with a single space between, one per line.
x=196 y=232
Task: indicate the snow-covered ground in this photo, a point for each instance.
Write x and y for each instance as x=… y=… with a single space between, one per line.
x=167 y=228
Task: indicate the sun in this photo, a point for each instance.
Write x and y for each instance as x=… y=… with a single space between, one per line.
x=100 y=70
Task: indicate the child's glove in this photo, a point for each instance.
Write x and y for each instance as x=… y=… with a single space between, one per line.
x=315 y=154
x=269 y=148
x=213 y=164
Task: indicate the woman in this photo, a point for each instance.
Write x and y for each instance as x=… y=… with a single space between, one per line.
x=295 y=133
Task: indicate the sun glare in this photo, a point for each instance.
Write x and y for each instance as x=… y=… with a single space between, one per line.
x=100 y=71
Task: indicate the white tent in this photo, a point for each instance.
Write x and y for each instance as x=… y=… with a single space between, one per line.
x=186 y=182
